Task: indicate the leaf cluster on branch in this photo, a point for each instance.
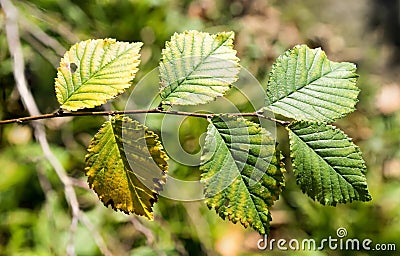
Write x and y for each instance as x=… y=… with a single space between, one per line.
x=242 y=169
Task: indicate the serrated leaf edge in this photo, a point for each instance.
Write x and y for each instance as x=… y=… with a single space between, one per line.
x=63 y=63
x=228 y=42
x=292 y=156
x=163 y=155
x=280 y=185
x=278 y=64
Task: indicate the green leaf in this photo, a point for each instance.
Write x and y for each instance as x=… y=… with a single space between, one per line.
x=328 y=166
x=197 y=67
x=242 y=172
x=94 y=71
x=305 y=85
x=126 y=166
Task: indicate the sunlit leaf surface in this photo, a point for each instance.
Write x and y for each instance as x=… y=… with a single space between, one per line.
x=305 y=85
x=197 y=67
x=94 y=71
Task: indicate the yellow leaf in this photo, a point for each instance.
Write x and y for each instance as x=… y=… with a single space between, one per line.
x=94 y=71
x=126 y=166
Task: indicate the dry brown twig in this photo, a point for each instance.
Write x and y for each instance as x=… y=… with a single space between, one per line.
x=14 y=45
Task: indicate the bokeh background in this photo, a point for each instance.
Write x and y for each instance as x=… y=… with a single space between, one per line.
x=34 y=216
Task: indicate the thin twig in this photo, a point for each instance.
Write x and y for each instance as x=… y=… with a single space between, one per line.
x=79 y=183
x=95 y=234
x=144 y=230
x=54 y=22
x=14 y=45
x=61 y=113
x=46 y=53
x=151 y=241
x=42 y=37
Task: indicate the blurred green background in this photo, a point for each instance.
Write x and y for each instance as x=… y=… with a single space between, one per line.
x=34 y=216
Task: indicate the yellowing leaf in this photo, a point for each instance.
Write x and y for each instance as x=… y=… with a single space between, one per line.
x=242 y=171
x=94 y=71
x=126 y=166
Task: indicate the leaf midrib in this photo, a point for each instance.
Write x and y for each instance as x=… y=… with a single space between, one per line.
x=311 y=81
x=239 y=175
x=126 y=166
x=94 y=74
x=195 y=68
x=325 y=162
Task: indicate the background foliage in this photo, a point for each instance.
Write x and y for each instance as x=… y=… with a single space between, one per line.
x=34 y=217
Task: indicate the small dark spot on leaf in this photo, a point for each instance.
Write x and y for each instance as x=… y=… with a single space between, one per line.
x=73 y=67
x=226 y=204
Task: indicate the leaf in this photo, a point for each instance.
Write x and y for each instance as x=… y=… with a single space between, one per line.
x=126 y=166
x=197 y=67
x=94 y=71
x=242 y=171
x=328 y=166
x=305 y=85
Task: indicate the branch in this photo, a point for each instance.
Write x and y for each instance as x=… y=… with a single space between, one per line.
x=61 y=113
